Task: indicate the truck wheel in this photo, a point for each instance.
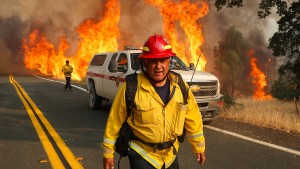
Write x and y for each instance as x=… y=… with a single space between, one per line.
x=94 y=99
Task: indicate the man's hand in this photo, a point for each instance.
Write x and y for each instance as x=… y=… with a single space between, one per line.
x=201 y=158
x=108 y=163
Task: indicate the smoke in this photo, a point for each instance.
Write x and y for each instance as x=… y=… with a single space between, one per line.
x=255 y=30
x=10 y=45
x=56 y=18
x=138 y=21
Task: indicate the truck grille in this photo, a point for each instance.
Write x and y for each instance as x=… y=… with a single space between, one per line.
x=207 y=88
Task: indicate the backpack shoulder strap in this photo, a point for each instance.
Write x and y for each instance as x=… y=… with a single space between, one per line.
x=184 y=92
x=131 y=87
x=182 y=86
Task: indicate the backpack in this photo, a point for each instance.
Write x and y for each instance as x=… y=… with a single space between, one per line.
x=126 y=134
x=131 y=87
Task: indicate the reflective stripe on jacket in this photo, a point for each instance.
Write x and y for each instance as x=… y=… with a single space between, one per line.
x=67 y=70
x=154 y=122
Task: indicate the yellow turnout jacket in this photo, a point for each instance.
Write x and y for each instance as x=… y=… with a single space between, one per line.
x=67 y=70
x=154 y=122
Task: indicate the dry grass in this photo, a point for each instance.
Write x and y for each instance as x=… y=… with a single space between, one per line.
x=268 y=113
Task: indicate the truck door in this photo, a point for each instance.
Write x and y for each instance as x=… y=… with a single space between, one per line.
x=115 y=74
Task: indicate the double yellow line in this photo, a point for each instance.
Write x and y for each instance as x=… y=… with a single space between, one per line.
x=57 y=151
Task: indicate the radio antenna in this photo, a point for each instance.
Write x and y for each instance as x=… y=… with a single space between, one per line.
x=196 y=65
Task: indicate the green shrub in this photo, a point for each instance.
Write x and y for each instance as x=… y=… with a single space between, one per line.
x=285 y=88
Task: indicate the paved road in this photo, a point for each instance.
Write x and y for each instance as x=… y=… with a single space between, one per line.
x=52 y=127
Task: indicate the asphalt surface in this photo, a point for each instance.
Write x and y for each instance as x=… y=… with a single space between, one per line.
x=81 y=130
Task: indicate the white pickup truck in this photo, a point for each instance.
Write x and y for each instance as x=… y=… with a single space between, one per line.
x=107 y=71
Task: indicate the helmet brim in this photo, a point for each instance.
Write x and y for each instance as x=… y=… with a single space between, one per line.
x=157 y=56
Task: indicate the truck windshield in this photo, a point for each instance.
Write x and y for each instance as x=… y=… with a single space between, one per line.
x=176 y=62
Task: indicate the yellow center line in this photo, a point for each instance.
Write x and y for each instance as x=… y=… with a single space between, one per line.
x=53 y=157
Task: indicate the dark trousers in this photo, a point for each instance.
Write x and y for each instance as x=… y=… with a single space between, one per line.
x=138 y=162
x=68 y=83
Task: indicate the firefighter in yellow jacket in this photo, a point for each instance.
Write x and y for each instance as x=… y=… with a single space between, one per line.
x=159 y=116
x=67 y=69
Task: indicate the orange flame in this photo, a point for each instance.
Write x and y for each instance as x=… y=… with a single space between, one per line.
x=100 y=35
x=95 y=36
x=258 y=79
x=187 y=14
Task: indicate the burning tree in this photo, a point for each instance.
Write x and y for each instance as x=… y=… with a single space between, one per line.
x=258 y=79
x=238 y=68
x=232 y=64
x=284 y=43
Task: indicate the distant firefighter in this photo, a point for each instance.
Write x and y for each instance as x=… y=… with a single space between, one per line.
x=67 y=70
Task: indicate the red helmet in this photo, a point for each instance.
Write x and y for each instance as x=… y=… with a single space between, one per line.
x=157 y=47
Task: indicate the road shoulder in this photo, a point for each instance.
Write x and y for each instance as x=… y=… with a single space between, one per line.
x=282 y=138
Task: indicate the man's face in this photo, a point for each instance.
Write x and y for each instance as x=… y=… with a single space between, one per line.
x=157 y=69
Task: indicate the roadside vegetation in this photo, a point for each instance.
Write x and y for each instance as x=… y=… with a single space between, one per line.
x=273 y=113
x=278 y=75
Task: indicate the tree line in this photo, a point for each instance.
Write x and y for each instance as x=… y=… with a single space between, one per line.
x=232 y=63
